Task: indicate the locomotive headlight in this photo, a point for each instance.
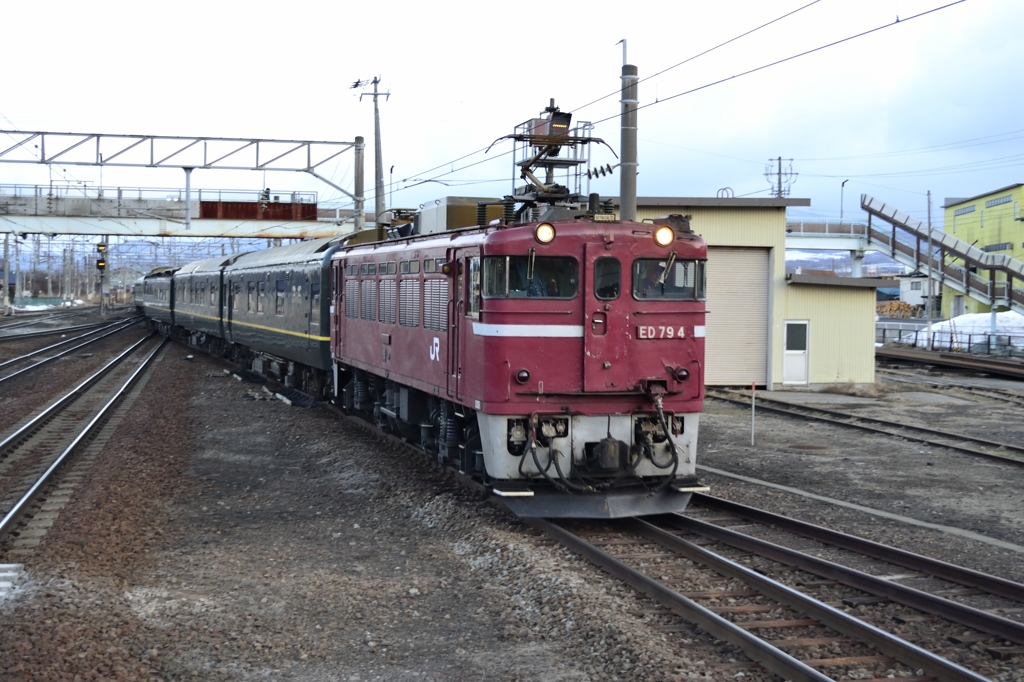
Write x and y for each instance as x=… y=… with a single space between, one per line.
x=664 y=235
x=544 y=233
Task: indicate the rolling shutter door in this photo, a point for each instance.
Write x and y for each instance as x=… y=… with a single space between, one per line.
x=736 y=349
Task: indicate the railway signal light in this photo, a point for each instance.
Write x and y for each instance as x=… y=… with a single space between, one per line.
x=101 y=247
x=101 y=264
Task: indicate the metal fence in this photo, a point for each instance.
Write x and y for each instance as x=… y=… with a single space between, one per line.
x=87 y=191
x=1007 y=345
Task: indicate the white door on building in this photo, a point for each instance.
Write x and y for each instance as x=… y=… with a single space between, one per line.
x=736 y=349
x=795 y=361
x=957 y=309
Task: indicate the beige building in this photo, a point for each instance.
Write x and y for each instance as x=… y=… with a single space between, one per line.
x=763 y=327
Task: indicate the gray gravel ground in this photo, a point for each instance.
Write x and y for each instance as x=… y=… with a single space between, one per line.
x=224 y=536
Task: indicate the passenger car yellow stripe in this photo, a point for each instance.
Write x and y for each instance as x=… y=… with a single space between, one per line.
x=251 y=324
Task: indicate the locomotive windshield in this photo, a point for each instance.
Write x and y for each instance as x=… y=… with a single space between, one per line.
x=683 y=282
x=530 y=277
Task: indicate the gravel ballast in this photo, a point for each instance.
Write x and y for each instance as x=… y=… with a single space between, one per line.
x=225 y=535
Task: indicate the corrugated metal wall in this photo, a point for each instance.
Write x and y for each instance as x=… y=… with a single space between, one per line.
x=737 y=323
x=842 y=331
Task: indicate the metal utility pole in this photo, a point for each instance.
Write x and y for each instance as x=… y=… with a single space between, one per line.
x=841 y=188
x=378 y=171
x=105 y=274
x=928 y=301
x=627 y=146
x=17 y=270
x=779 y=180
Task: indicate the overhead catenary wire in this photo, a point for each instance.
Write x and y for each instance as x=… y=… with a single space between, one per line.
x=720 y=81
x=685 y=61
x=786 y=59
x=701 y=54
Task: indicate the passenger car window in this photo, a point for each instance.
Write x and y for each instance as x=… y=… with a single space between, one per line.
x=261 y=300
x=607 y=278
x=314 y=295
x=684 y=280
x=530 y=277
x=282 y=287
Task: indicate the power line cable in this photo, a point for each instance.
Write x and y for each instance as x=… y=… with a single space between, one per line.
x=701 y=54
x=786 y=59
x=946 y=146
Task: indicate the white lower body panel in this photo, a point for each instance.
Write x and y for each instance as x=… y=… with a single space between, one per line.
x=503 y=465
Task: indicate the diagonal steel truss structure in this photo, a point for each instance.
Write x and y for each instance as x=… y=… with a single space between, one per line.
x=187 y=153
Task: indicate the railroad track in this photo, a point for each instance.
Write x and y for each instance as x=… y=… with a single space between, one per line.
x=778 y=627
x=992 y=606
x=999 y=395
x=31 y=455
x=51 y=332
x=1007 y=367
x=36 y=318
x=690 y=563
x=1004 y=453
x=46 y=355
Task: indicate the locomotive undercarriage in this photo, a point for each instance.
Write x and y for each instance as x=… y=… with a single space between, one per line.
x=554 y=465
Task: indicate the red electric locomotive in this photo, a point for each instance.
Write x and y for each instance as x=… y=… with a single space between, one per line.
x=559 y=362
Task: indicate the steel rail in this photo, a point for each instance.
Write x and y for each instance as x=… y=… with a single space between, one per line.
x=37 y=319
x=940 y=569
x=1014 y=370
x=999 y=395
x=65 y=352
x=41 y=418
x=838 y=418
x=51 y=332
x=884 y=642
x=901 y=594
x=11 y=519
x=26 y=356
x=769 y=656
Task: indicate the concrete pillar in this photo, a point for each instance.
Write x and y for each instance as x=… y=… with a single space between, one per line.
x=857 y=259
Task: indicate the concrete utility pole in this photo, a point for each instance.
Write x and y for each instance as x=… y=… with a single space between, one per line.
x=378 y=171
x=7 y=255
x=627 y=145
x=928 y=301
x=360 y=208
x=779 y=190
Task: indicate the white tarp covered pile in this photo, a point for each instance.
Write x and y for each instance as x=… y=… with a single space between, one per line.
x=971 y=331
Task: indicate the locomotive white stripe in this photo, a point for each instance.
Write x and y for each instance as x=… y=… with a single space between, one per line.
x=529 y=330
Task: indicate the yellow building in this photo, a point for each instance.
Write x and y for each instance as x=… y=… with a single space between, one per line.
x=762 y=326
x=993 y=222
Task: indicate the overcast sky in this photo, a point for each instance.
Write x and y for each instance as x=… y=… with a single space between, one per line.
x=929 y=104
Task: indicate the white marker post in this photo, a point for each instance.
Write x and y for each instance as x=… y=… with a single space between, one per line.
x=753 y=390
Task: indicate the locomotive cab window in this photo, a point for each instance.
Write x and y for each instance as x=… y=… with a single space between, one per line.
x=607 y=278
x=683 y=280
x=530 y=277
